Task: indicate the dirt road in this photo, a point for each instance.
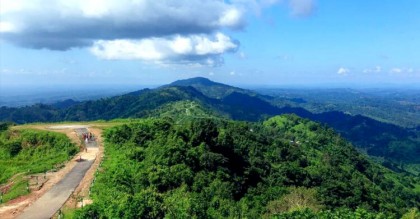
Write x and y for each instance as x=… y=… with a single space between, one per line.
x=53 y=199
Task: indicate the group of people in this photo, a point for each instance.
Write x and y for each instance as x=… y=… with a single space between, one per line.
x=88 y=137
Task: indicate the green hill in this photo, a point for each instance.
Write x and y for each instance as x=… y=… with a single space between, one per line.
x=213 y=168
x=210 y=88
x=394 y=146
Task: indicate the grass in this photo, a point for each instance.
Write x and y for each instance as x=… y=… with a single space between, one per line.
x=35 y=151
x=68 y=213
x=96 y=124
x=19 y=188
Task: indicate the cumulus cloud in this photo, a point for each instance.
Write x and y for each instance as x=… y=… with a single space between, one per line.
x=302 y=8
x=164 y=31
x=180 y=49
x=64 y=24
x=343 y=71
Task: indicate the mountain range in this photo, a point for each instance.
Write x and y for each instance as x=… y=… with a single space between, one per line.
x=202 y=97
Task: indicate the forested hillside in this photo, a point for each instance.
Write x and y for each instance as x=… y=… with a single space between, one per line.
x=398 y=106
x=285 y=167
x=210 y=88
x=396 y=147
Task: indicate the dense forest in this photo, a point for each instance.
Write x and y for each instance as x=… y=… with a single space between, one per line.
x=398 y=106
x=396 y=147
x=284 y=167
x=27 y=151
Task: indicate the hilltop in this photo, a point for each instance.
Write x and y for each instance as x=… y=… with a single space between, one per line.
x=210 y=88
x=216 y=168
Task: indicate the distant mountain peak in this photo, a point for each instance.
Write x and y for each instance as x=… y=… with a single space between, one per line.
x=209 y=88
x=195 y=81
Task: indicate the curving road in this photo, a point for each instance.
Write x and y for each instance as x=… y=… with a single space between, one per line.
x=46 y=206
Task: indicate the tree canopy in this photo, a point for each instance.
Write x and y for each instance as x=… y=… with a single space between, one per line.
x=212 y=168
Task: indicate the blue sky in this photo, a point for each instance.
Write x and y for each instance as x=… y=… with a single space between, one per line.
x=243 y=42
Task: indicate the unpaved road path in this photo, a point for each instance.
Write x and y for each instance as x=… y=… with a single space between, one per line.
x=52 y=200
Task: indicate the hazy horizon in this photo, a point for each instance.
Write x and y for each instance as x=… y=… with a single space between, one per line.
x=16 y=96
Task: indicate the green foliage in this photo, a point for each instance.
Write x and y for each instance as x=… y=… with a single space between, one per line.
x=212 y=168
x=398 y=148
x=18 y=188
x=13 y=147
x=395 y=106
x=414 y=213
x=4 y=126
x=298 y=199
x=210 y=88
x=341 y=213
x=31 y=151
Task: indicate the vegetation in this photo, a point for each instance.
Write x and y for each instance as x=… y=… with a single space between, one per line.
x=18 y=188
x=396 y=106
x=286 y=167
x=30 y=151
x=210 y=88
x=393 y=144
x=396 y=147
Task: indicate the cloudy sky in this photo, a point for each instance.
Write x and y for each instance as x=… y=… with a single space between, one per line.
x=248 y=42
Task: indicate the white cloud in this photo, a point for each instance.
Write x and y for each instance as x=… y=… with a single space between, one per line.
x=7 y=27
x=181 y=45
x=194 y=48
x=232 y=73
x=231 y=17
x=343 y=71
x=64 y=24
x=204 y=45
x=164 y=31
x=302 y=8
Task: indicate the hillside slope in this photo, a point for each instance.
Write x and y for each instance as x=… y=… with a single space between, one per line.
x=24 y=152
x=386 y=141
x=211 y=168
